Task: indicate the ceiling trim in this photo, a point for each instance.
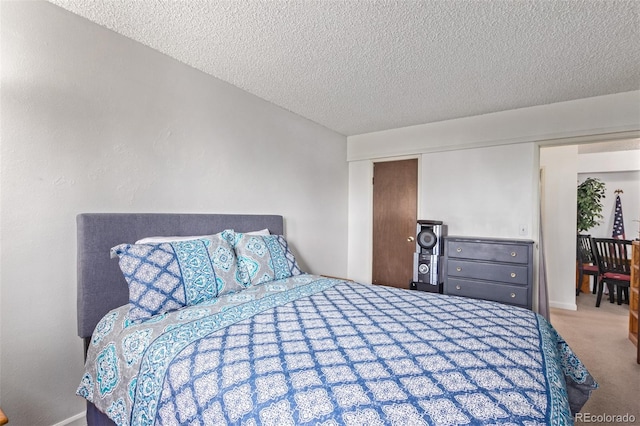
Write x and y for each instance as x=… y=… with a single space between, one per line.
x=604 y=116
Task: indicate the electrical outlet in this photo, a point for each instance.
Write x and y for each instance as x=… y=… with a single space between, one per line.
x=522 y=229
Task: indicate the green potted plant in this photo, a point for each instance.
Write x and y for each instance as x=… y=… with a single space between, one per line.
x=590 y=195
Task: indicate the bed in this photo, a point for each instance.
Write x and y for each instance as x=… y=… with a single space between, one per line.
x=288 y=347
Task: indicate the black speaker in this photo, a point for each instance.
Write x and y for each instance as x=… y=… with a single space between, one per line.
x=428 y=258
x=429 y=235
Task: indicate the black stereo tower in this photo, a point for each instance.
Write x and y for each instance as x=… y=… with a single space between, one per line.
x=427 y=260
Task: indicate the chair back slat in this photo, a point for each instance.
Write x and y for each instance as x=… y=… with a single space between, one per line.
x=612 y=255
x=585 y=252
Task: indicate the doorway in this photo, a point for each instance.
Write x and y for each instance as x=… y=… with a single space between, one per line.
x=395 y=206
x=563 y=165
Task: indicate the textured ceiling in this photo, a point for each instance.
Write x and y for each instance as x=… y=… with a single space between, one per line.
x=359 y=66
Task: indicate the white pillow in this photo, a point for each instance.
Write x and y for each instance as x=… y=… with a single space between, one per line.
x=264 y=231
x=157 y=240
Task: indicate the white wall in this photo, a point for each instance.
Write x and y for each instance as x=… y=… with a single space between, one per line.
x=481 y=192
x=618 y=170
x=94 y=122
x=485 y=192
x=360 y=239
x=559 y=165
x=564 y=168
x=489 y=161
x=629 y=183
x=612 y=161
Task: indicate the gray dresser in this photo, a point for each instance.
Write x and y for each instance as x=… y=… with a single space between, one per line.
x=489 y=268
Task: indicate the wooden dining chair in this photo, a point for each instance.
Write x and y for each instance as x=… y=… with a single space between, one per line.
x=586 y=262
x=614 y=267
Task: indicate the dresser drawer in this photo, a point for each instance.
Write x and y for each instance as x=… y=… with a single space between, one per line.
x=494 y=252
x=507 y=273
x=504 y=293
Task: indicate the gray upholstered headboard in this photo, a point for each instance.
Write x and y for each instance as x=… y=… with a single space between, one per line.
x=101 y=286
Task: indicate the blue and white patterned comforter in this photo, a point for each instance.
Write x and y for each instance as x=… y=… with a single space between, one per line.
x=314 y=350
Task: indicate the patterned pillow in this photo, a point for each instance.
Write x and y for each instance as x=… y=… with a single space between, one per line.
x=265 y=257
x=167 y=276
x=231 y=276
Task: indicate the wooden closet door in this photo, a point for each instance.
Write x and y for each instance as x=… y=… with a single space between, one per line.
x=395 y=204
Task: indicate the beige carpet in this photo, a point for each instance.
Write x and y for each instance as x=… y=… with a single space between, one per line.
x=599 y=336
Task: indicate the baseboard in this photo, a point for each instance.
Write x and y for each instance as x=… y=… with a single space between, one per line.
x=77 y=420
x=567 y=306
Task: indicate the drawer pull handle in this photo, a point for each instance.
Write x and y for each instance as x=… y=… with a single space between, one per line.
x=458 y=287
x=458 y=269
x=458 y=249
x=514 y=254
x=513 y=295
x=513 y=275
